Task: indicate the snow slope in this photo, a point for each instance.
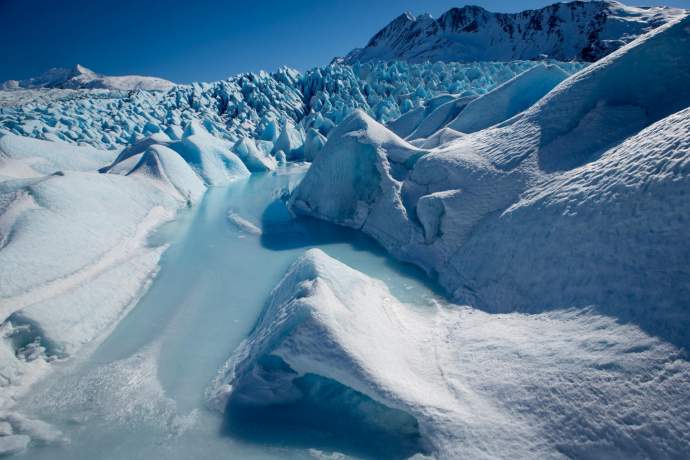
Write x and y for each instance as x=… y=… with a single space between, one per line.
x=74 y=256
x=561 y=384
x=79 y=77
x=601 y=214
x=565 y=31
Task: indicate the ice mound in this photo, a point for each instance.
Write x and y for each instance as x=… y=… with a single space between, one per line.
x=45 y=157
x=208 y=156
x=330 y=333
x=290 y=141
x=255 y=154
x=74 y=255
x=313 y=144
x=612 y=232
x=168 y=168
x=431 y=115
x=375 y=157
x=468 y=114
x=451 y=209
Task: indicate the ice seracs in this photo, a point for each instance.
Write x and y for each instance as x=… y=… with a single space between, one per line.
x=280 y=107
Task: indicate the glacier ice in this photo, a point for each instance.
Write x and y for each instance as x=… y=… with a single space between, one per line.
x=555 y=166
x=549 y=194
x=440 y=373
x=256 y=106
x=74 y=256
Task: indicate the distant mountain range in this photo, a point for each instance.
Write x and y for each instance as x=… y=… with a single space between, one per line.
x=578 y=30
x=79 y=77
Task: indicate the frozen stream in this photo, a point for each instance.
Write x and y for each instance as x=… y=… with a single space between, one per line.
x=140 y=393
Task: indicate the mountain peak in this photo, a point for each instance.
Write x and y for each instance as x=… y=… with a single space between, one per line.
x=80 y=77
x=577 y=30
x=79 y=69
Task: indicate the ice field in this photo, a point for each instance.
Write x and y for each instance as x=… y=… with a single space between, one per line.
x=380 y=260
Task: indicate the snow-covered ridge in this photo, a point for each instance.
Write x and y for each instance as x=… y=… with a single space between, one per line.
x=248 y=105
x=79 y=77
x=585 y=188
x=578 y=30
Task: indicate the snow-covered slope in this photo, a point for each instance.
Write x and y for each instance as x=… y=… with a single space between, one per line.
x=74 y=255
x=79 y=77
x=565 y=31
x=577 y=201
x=452 y=381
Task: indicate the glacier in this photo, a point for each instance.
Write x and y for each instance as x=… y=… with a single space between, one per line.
x=462 y=380
x=256 y=106
x=575 y=169
x=107 y=167
x=485 y=259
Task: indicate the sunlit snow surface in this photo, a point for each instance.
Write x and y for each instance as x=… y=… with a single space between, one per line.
x=556 y=204
x=140 y=394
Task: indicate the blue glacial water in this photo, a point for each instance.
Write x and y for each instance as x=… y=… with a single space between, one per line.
x=140 y=393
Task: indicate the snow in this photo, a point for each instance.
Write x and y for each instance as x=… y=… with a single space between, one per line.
x=565 y=31
x=510 y=98
x=486 y=385
x=548 y=198
x=79 y=77
x=74 y=256
x=466 y=212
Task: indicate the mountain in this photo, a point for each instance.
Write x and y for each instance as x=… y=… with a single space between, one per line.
x=79 y=77
x=576 y=30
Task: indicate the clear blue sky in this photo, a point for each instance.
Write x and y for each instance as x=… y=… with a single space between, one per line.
x=201 y=40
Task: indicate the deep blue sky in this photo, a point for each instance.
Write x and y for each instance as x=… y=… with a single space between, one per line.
x=200 y=40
